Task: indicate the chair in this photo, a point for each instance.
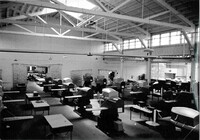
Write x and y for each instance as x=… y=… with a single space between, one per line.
x=157 y=90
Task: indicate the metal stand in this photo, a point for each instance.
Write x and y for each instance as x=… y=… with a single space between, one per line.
x=153 y=123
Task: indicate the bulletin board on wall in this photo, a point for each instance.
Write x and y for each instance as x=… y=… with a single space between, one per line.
x=19 y=73
x=55 y=71
x=77 y=76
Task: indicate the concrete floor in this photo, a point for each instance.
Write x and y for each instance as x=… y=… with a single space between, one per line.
x=83 y=128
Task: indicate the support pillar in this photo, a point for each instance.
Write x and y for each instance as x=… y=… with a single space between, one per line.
x=121 y=67
x=194 y=72
x=148 y=70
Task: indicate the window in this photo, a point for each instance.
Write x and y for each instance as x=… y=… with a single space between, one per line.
x=106 y=47
x=183 y=40
x=113 y=48
x=132 y=44
x=126 y=44
x=110 y=47
x=165 y=39
x=79 y=4
x=145 y=42
x=175 y=38
x=138 y=43
x=155 y=40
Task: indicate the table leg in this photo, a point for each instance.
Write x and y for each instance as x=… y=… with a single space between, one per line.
x=70 y=135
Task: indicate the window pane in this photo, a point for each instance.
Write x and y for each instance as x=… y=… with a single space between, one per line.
x=126 y=44
x=138 y=44
x=145 y=42
x=155 y=40
x=106 y=47
x=132 y=43
x=183 y=41
x=113 y=48
x=110 y=46
x=165 y=39
x=175 y=37
x=189 y=36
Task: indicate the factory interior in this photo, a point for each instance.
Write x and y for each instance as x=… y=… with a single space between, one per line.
x=99 y=69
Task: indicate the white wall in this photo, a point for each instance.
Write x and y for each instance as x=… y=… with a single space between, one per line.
x=131 y=69
x=70 y=62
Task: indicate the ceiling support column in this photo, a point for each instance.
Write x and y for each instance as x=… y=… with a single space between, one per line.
x=194 y=71
x=121 y=67
x=149 y=52
x=148 y=70
x=121 y=61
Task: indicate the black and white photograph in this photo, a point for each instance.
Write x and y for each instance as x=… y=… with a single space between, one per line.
x=99 y=69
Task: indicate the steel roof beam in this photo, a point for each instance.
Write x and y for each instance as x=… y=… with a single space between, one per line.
x=100 y=13
x=175 y=12
x=57 y=36
x=48 y=25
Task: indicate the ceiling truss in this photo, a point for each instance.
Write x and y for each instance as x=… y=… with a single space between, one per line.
x=114 y=34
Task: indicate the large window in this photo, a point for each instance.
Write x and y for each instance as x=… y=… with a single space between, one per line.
x=175 y=37
x=176 y=71
x=126 y=44
x=169 y=38
x=132 y=43
x=110 y=47
x=164 y=39
x=156 y=40
x=138 y=43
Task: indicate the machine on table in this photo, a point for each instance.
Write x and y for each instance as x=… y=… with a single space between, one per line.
x=108 y=120
x=184 y=117
x=84 y=101
x=48 y=84
x=70 y=91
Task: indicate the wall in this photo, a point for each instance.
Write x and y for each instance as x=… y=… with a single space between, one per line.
x=69 y=62
x=131 y=69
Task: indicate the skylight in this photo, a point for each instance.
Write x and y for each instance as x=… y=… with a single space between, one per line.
x=78 y=4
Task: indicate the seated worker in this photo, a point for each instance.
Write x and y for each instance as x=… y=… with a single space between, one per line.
x=70 y=90
x=107 y=117
x=101 y=83
x=84 y=101
x=48 y=80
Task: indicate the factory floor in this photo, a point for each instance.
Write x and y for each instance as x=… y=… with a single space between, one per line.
x=83 y=128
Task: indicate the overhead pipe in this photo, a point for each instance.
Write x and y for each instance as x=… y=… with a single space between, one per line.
x=91 y=54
